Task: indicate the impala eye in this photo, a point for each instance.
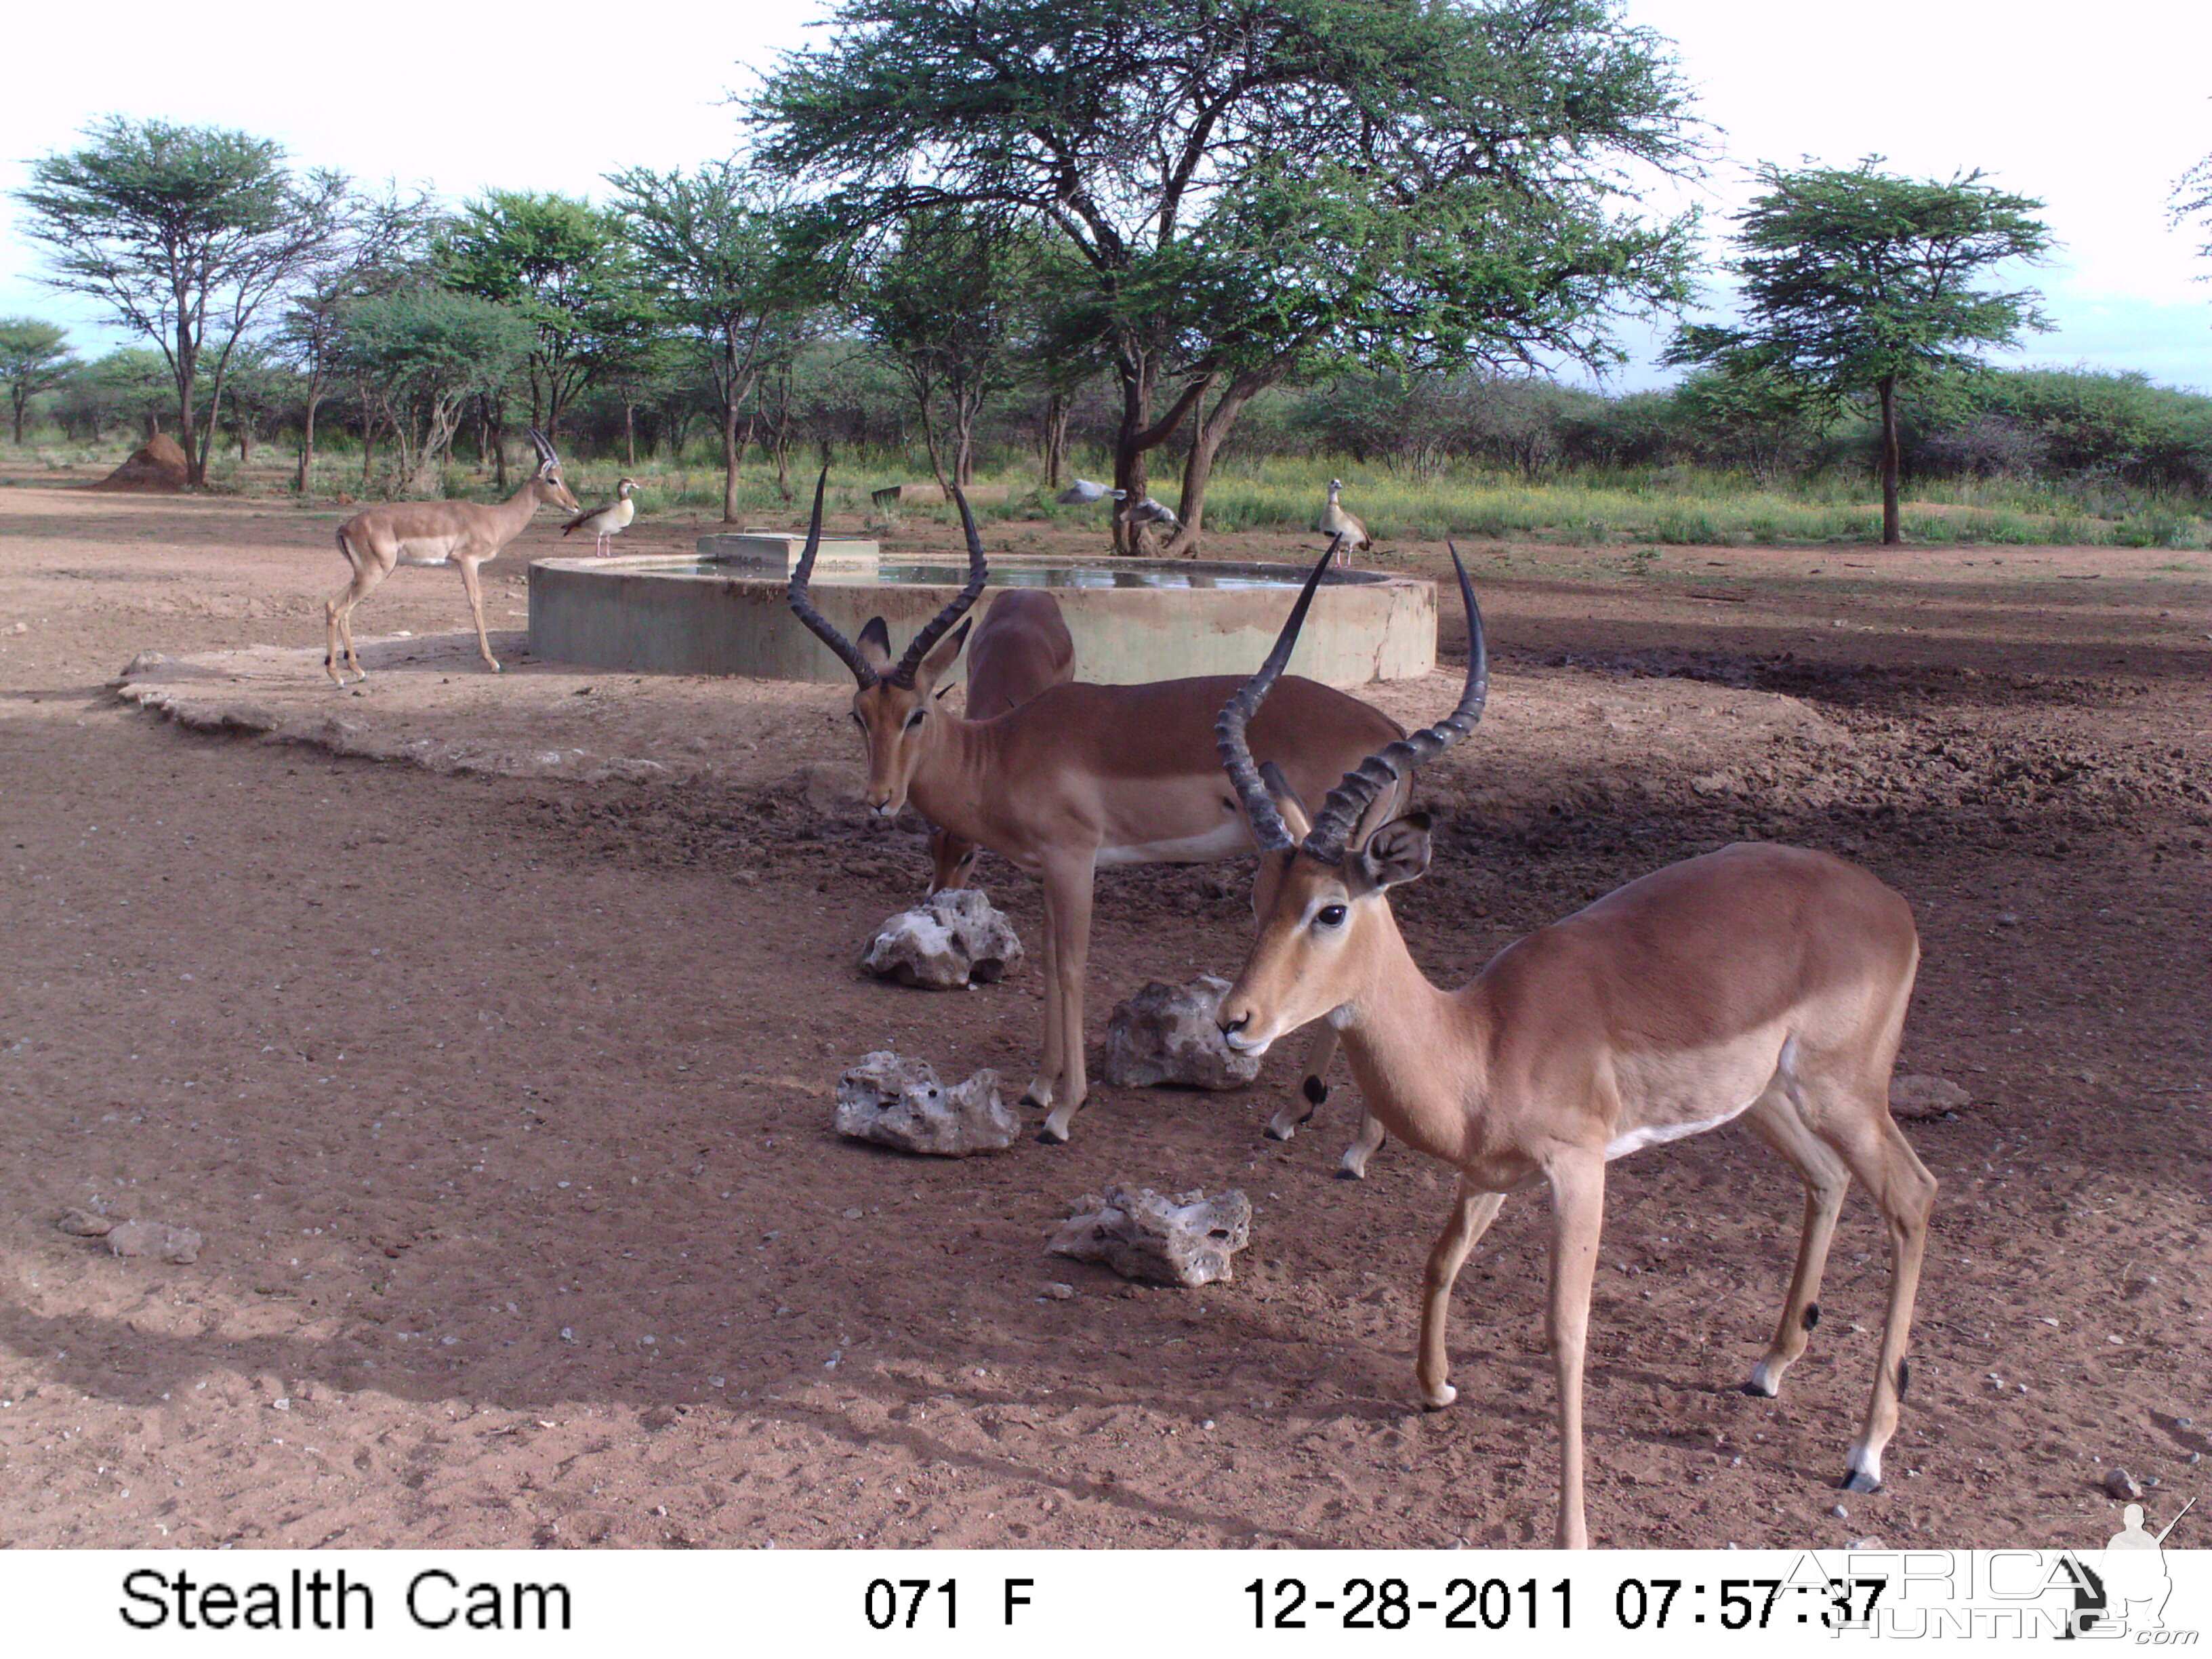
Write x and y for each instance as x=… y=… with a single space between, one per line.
x=1329 y=915
x=914 y=719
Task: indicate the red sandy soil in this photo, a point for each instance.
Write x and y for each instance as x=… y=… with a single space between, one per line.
x=486 y=1029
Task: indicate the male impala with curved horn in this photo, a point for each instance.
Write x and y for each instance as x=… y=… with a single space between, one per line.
x=1762 y=982
x=1077 y=777
x=461 y=533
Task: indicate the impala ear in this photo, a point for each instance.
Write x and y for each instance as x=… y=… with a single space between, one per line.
x=1398 y=852
x=875 y=644
x=934 y=665
x=1295 y=816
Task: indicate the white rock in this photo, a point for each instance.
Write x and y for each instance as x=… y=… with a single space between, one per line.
x=1187 y=1240
x=1171 y=1035
x=951 y=941
x=897 y=1102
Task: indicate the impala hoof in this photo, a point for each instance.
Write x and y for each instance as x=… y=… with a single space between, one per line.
x=1441 y=1398
x=1758 y=1390
x=1046 y=1137
x=1859 y=1480
x=1274 y=1133
x=1346 y=1172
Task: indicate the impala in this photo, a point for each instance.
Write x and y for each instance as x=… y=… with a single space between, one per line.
x=461 y=533
x=1763 y=982
x=1020 y=647
x=1078 y=777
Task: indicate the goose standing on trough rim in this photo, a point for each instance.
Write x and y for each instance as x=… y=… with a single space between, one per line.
x=608 y=519
x=1350 y=535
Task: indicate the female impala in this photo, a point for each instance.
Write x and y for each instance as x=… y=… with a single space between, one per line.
x=1762 y=982
x=1079 y=776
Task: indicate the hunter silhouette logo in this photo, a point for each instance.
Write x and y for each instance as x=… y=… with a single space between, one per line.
x=2126 y=1590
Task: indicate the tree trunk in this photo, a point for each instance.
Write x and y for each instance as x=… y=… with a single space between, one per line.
x=730 y=451
x=20 y=401
x=1059 y=408
x=305 y=477
x=1136 y=440
x=1205 y=444
x=1891 y=535
x=367 y=447
x=186 y=365
x=629 y=435
x=929 y=440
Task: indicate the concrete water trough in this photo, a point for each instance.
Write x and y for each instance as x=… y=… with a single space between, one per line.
x=1132 y=620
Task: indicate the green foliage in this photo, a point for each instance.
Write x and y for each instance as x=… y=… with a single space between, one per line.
x=1255 y=188
x=34 y=357
x=1855 y=282
x=951 y=300
x=563 y=266
x=420 y=354
x=179 y=230
x=128 y=386
x=1853 y=277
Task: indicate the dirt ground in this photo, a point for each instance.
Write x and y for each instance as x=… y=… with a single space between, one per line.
x=486 y=1029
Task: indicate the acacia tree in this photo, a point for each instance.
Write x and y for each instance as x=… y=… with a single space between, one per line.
x=34 y=357
x=950 y=303
x=180 y=231
x=1857 y=284
x=1258 y=187
x=562 y=265
x=715 y=249
x=379 y=241
x=421 y=353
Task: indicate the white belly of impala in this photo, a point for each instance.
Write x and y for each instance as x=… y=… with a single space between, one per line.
x=1228 y=840
x=1658 y=1135
x=1668 y=1088
x=421 y=555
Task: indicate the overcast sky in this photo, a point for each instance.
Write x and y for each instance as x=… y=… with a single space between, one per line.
x=2097 y=110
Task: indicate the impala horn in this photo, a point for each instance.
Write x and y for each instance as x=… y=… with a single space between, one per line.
x=979 y=572
x=1267 y=827
x=1341 y=810
x=546 y=455
x=803 y=607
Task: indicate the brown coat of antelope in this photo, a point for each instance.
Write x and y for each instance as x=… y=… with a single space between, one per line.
x=464 y=534
x=1763 y=982
x=1021 y=646
x=1079 y=776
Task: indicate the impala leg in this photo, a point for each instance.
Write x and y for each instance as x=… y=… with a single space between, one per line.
x=1577 y=1218
x=475 y=586
x=337 y=620
x=1471 y=1218
x=1882 y=1159
x=1067 y=890
x=1775 y=1120
x=1312 y=1092
x=1352 y=1166
x=1040 y=1091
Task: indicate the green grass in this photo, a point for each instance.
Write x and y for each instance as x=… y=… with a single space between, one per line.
x=1601 y=507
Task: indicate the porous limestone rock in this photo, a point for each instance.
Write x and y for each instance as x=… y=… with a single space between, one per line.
x=1187 y=1240
x=1170 y=1033
x=1915 y=1096
x=952 y=939
x=897 y=1102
